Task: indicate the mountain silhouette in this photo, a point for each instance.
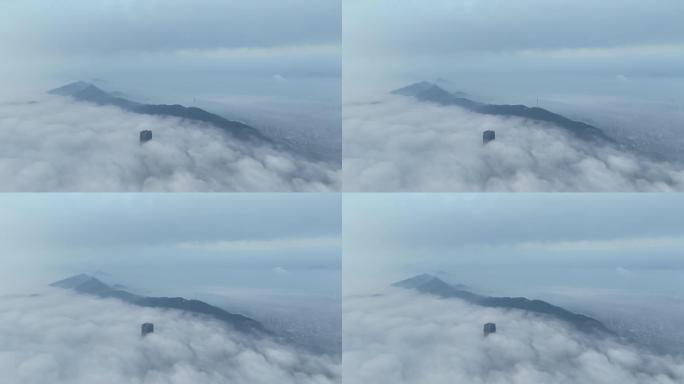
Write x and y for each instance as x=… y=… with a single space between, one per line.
x=83 y=91
x=88 y=285
x=432 y=285
x=429 y=92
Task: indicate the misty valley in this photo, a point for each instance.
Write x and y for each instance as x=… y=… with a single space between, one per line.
x=424 y=329
x=133 y=338
x=425 y=138
x=341 y=192
x=82 y=138
x=172 y=289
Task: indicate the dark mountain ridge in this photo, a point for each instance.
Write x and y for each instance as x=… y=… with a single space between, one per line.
x=426 y=91
x=88 y=285
x=83 y=91
x=432 y=285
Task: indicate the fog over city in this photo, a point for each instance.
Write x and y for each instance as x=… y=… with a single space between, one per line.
x=257 y=63
x=399 y=337
x=613 y=258
x=62 y=338
x=614 y=65
x=272 y=258
x=62 y=145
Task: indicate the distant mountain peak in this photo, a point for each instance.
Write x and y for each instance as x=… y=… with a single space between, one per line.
x=70 y=89
x=414 y=89
x=88 y=92
x=422 y=89
x=430 y=92
x=415 y=281
x=95 y=94
x=72 y=282
x=432 y=285
x=89 y=285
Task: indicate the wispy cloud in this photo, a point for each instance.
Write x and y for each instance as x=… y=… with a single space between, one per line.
x=265 y=245
x=641 y=50
x=640 y=244
x=261 y=52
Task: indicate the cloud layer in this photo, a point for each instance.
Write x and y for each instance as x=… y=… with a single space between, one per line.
x=154 y=25
x=58 y=337
x=402 y=337
x=400 y=144
x=60 y=145
x=500 y=25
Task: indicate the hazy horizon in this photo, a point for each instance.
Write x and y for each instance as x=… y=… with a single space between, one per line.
x=154 y=234
x=180 y=52
x=616 y=66
x=581 y=251
x=612 y=257
x=273 y=257
x=507 y=52
x=258 y=63
x=155 y=46
x=501 y=233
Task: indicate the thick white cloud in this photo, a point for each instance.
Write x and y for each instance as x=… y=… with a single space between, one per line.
x=60 y=145
x=58 y=337
x=400 y=144
x=402 y=337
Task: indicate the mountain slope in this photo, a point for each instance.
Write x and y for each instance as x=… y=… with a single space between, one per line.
x=434 y=286
x=70 y=89
x=89 y=285
x=87 y=92
x=425 y=91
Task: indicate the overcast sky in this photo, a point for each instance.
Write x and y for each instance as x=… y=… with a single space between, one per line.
x=507 y=50
x=152 y=48
x=173 y=243
x=517 y=243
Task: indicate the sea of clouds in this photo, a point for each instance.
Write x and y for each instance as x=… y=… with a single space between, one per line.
x=400 y=144
x=404 y=337
x=60 y=337
x=58 y=144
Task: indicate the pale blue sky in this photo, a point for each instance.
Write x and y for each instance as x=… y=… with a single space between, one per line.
x=478 y=43
x=176 y=49
x=517 y=243
x=174 y=243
